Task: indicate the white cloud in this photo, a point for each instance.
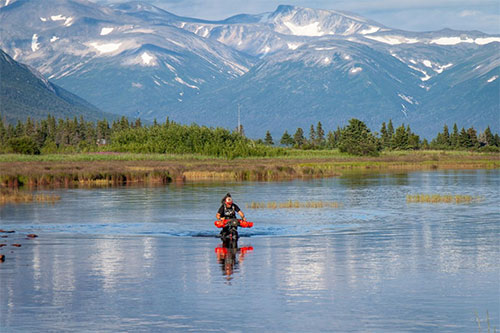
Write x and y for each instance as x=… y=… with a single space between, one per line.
x=466 y=13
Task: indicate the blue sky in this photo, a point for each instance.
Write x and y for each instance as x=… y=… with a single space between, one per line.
x=413 y=15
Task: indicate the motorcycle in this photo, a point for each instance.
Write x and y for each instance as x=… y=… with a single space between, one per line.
x=230 y=228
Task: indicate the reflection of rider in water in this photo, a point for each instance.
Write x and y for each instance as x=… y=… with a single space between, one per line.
x=228 y=210
x=226 y=255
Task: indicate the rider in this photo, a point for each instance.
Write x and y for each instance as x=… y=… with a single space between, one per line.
x=229 y=209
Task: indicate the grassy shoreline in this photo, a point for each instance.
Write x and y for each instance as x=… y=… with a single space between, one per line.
x=118 y=168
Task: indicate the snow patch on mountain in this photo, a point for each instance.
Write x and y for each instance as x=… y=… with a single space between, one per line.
x=426 y=76
x=265 y=49
x=34 y=43
x=451 y=40
x=370 y=30
x=427 y=63
x=68 y=21
x=170 y=67
x=458 y=40
x=181 y=81
x=393 y=40
x=408 y=99
x=440 y=68
x=147 y=59
x=484 y=41
x=355 y=70
x=292 y=46
x=139 y=31
x=106 y=47
x=404 y=110
x=312 y=29
x=106 y=31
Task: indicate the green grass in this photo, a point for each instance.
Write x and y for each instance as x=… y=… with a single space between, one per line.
x=292 y=154
x=79 y=157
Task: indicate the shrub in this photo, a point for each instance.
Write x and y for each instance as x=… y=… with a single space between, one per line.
x=24 y=145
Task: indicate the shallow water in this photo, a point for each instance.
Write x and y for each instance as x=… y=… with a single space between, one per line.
x=147 y=259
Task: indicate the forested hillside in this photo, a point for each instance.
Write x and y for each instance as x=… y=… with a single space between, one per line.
x=26 y=93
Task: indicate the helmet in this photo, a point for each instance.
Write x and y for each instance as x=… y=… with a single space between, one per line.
x=229 y=201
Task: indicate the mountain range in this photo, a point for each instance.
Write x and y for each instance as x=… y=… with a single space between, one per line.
x=285 y=69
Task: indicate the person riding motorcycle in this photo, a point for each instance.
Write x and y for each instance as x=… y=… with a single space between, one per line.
x=229 y=209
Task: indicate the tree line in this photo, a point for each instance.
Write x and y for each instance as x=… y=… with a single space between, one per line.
x=77 y=135
x=53 y=135
x=356 y=138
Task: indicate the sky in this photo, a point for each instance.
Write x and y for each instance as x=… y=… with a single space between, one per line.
x=412 y=15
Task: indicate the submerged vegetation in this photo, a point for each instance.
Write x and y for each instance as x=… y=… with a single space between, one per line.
x=15 y=196
x=442 y=198
x=293 y=204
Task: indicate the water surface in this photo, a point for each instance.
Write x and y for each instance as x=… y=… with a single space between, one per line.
x=147 y=259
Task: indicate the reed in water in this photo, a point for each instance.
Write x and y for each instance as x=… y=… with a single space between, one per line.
x=441 y=198
x=293 y=204
x=13 y=196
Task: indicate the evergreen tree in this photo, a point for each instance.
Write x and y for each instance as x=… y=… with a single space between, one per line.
x=464 y=139
x=41 y=133
x=471 y=132
x=312 y=136
x=298 y=138
x=19 y=130
x=268 y=140
x=497 y=140
x=413 y=139
x=385 y=137
x=446 y=137
x=331 y=142
x=400 y=138
x=320 y=135
x=286 y=139
x=454 y=137
x=3 y=133
x=29 y=127
x=357 y=139
x=488 y=137
x=10 y=132
x=425 y=144
x=390 y=132
x=103 y=131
